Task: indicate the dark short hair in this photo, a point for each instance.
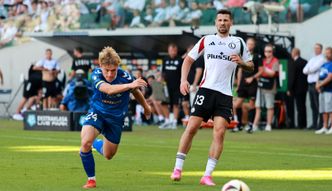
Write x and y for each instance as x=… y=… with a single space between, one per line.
x=172 y=44
x=320 y=45
x=79 y=49
x=225 y=12
x=48 y=50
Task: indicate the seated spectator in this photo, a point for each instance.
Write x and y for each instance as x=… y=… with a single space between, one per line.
x=7 y=33
x=77 y=96
x=160 y=14
x=182 y=13
x=298 y=8
x=148 y=18
x=136 y=21
x=43 y=18
x=235 y=3
x=3 y=10
x=193 y=16
x=171 y=10
x=218 y=4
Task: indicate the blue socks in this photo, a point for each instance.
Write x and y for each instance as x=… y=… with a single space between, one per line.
x=98 y=145
x=88 y=163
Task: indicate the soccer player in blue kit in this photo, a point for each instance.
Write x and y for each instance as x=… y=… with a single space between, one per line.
x=110 y=100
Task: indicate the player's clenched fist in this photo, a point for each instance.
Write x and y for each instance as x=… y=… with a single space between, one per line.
x=138 y=83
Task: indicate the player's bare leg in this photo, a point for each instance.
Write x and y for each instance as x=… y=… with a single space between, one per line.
x=109 y=149
x=88 y=134
x=185 y=145
x=216 y=148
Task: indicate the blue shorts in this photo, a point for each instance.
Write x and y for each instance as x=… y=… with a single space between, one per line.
x=110 y=128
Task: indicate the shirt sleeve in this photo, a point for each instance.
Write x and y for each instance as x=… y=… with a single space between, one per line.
x=198 y=49
x=39 y=63
x=97 y=79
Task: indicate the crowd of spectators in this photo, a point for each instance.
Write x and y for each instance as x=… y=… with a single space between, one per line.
x=18 y=16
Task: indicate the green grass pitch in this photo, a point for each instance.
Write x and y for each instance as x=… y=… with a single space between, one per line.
x=281 y=160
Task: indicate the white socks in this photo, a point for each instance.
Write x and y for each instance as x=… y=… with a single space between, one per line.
x=180 y=157
x=211 y=164
x=92 y=178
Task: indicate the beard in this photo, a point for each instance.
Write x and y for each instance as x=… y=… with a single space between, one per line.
x=223 y=30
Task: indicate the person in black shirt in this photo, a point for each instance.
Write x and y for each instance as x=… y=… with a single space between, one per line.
x=247 y=88
x=297 y=89
x=80 y=62
x=171 y=73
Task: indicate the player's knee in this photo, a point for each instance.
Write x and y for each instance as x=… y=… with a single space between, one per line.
x=86 y=145
x=109 y=156
x=191 y=131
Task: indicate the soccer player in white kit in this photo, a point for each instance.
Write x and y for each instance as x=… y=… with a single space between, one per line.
x=222 y=54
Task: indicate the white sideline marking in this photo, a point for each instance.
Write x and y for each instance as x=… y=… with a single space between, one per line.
x=170 y=147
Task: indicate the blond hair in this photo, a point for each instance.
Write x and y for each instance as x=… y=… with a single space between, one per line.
x=108 y=56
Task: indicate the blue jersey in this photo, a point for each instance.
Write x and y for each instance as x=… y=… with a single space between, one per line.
x=325 y=70
x=111 y=106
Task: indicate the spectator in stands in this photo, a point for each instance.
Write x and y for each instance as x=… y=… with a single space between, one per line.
x=247 y=88
x=267 y=87
x=181 y=14
x=3 y=10
x=298 y=8
x=148 y=18
x=297 y=87
x=324 y=87
x=43 y=17
x=219 y=4
x=312 y=70
x=7 y=33
x=114 y=9
x=1 y=78
x=80 y=62
x=136 y=21
x=171 y=73
x=50 y=69
x=79 y=91
x=32 y=93
x=193 y=17
x=171 y=10
x=234 y=3
x=160 y=14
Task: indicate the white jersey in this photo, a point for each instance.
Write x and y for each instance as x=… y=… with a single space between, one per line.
x=219 y=70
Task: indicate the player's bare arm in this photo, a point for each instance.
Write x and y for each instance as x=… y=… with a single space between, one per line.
x=115 y=89
x=247 y=66
x=184 y=86
x=141 y=100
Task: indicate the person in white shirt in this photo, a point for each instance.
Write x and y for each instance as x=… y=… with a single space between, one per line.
x=312 y=70
x=50 y=69
x=222 y=55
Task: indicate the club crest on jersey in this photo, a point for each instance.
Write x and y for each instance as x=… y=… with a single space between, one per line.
x=221 y=56
x=232 y=45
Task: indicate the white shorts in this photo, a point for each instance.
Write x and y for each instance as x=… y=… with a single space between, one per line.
x=265 y=99
x=325 y=102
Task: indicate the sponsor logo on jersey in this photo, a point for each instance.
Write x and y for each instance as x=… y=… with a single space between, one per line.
x=212 y=43
x=232 y=45
x=221 y=56
x=221 y=43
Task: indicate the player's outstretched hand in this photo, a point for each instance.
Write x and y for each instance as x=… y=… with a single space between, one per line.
x=184 y=87
x=147 y=112
x=138 y=83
